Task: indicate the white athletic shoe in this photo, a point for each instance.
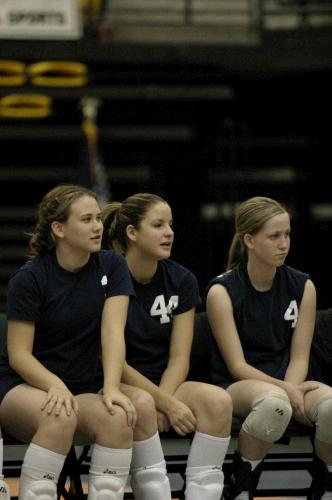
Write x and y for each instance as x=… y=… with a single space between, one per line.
x=4 y=490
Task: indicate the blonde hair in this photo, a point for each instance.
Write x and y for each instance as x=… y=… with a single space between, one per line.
x=250 y=216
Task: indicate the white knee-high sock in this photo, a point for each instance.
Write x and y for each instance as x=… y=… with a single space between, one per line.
x=147 y=452
x=148 y=469
x=40 y=471
x=204 y=477
x=108 y=472
x=207 y=450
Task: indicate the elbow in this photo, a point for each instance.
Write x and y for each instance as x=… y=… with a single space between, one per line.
x=13 y=362
x=16 y=361
x=11 y=358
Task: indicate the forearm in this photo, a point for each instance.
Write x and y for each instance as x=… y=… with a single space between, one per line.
x=113 y=358
x=297 y=371
x=113 y=349
x=34 y=373
x=246 y=371
x=133 y=377
x=174 y=375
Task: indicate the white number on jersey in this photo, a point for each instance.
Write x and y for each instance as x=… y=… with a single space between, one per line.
x=292 y=313
x=159 y=307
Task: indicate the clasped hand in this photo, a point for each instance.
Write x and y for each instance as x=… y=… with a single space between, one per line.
x=296 y=394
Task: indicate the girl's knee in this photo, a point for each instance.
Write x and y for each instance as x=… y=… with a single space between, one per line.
x=213 y=409
x=225 y=400
x=270 y=415
x=146 y=424
x=61 y=426
x=321 y=415
x=216 y=402
x=144 y=406
x=111 y=429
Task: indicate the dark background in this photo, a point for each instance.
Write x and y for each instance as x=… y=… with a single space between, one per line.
x=203 y=125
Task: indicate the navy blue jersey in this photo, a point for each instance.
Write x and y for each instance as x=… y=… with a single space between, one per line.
x=265 y=321
x=173 y=290
x=66 y=308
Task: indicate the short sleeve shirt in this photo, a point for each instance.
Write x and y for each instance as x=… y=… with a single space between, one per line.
x=66 y=308
x=172 y=291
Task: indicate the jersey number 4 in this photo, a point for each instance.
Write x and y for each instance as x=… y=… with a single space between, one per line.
x=292 y=313
x=159 y=307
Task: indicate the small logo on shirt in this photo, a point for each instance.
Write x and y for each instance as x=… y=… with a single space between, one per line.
x=104 y=280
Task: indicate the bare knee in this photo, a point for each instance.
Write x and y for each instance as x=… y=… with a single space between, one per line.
x=56 y=432
x=217 y=403
x=214 y=410
x=146 y=424
x=111 y=430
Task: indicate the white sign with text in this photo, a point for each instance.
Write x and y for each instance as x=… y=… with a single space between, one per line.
x=40 y=19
